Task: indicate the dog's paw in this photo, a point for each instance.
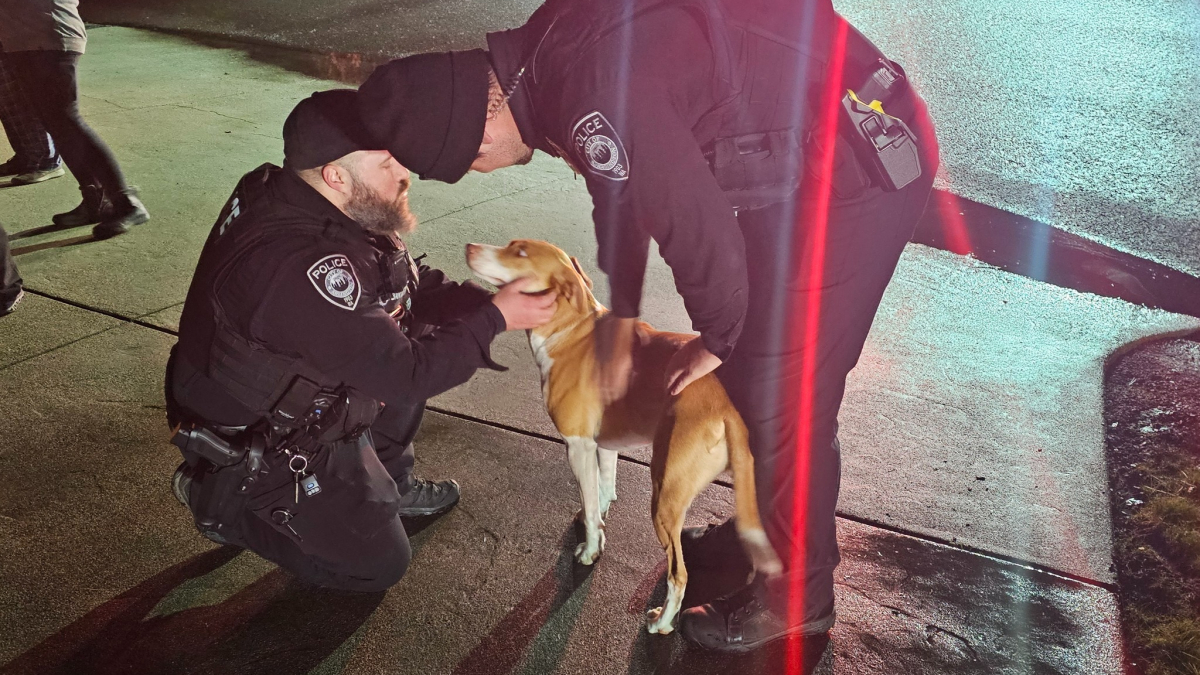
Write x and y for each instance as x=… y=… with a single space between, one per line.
x=585 y=554
x=655 y=622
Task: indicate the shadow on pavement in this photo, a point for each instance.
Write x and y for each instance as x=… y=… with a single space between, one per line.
x=36 y=231
x=274 y=620
x=537 y=629
x=58 y=243
x=47 y=229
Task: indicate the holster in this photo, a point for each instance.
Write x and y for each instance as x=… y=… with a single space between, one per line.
x=883 y=143
x=223 y=471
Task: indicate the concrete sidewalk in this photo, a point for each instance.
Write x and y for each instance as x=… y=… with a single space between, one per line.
x=103 y=573
x=974 y=419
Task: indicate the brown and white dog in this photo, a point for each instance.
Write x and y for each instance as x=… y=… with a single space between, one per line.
x=695 y=435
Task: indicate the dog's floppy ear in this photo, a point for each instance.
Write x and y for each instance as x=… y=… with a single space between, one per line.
x=579 y=269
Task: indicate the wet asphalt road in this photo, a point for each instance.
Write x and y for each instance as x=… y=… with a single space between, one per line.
x=1077 y=113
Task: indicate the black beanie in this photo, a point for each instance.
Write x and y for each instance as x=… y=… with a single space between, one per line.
x=429 y=111
x=324 y=127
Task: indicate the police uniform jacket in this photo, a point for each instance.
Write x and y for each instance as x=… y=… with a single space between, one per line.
x=310 y=287
x=633 y=94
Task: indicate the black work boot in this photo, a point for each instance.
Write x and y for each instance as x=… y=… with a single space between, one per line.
x=181 y=483
x=428 y=498
x=744 y=621
x=128 y=211
x=95 y=207
x=716 y=562
x=716 y=547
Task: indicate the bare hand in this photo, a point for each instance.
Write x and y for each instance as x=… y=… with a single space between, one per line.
x=692 y=362
x=614 y=356
x=523 y=311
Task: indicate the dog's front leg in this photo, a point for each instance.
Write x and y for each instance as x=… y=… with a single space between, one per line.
x=608 y=480
x=585 y=463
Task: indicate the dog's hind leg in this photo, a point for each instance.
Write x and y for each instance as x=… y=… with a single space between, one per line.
x=608 y=480
x=678 y=475
x=668 y=523
x=586 y=466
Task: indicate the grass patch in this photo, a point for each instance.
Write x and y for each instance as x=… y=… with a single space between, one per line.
x=1152 y=419
x=1176 y=520
x=1175 y=645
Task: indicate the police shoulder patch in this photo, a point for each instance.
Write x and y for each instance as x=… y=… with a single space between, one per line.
x=599 y=148
x=334 y=278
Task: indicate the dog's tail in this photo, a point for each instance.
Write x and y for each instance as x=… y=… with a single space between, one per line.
x=745 y=499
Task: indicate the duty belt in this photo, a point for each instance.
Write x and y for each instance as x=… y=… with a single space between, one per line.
x=876 y=148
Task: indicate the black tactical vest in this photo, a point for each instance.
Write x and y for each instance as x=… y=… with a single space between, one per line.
x=258 y=379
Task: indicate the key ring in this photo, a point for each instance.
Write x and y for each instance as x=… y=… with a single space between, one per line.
x=303 y=463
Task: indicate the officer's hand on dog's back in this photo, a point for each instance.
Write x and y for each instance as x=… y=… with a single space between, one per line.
x=523 y=311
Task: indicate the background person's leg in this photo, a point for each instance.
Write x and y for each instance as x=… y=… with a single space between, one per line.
x=53 y=75
x=10 y=280
x=34 y=150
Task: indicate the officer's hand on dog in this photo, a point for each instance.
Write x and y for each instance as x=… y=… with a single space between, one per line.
x=614 y=355
x=523 y=311
x=692 y=362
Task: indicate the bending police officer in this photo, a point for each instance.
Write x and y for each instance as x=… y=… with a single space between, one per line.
x=308 y=345
x=780 y=162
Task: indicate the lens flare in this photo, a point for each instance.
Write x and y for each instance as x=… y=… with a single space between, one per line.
x=810 y=315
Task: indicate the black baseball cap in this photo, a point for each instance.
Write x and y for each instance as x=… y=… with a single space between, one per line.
x=324 y=127
x=428 y=110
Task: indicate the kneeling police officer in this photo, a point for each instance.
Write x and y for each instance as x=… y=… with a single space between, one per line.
x=309 y=342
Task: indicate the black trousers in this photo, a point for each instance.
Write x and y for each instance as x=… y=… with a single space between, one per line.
x=813 y=296
x=348 y=536
x=50 y=77
x=10 y=281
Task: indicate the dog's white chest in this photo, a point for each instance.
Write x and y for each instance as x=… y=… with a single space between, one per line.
x=541 y=355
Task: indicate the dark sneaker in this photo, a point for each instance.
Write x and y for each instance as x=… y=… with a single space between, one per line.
x=5 y=311
x=123 y=219
x=428 y=498
x=181 y=483
x=13 y=167
x=95 y=207
x=37 y=176
x=743 y=621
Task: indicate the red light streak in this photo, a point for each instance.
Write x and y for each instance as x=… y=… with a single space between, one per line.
x=821 y=197
x=954 y=226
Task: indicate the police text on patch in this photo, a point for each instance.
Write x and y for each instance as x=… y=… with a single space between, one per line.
x=600 y=148
x=334 y=278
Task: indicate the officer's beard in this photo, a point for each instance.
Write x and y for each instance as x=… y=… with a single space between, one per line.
x=379 y=215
